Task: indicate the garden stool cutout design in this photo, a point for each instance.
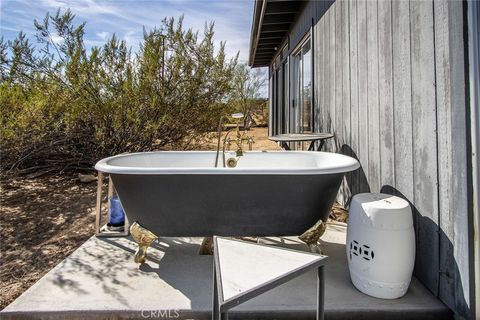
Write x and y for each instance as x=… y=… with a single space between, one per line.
x=243 y=270
x=380 y=245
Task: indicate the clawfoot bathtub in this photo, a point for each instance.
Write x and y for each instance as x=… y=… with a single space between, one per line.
x=268 y=193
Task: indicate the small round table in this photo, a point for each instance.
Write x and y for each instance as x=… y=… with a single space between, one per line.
x=302 y=137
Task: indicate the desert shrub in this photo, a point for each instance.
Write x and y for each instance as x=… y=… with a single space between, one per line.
x=63 y=107
x=246 y=95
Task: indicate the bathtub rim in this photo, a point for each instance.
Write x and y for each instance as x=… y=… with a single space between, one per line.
x=351 y=164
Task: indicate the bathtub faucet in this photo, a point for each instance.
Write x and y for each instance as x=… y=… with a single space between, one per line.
x=239 y=140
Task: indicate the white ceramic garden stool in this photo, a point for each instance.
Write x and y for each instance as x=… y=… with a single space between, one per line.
x=380 y=244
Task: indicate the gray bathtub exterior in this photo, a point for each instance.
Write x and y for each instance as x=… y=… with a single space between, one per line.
x=227 y=205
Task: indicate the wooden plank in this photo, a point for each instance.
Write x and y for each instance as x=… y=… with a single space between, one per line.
x=326 y=86
x=314 y=77
x=317 y=44
x=363 y=121
x=338 y=76
x=331 y=118
x=444 y=107
x=452 y=189
x=320 y=75
x=270 y=102
x=461 y=203
x=345 y=58
x=302 y=23
x=346 y=95
x=372 y=98
x=385 y=94
x=424 y=141
x=402 y=99
x=98 y=207
x=354 y=114
x=338 y=89
x=309 y=13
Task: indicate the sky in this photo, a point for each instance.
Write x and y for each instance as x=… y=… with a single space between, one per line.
x=126 y=18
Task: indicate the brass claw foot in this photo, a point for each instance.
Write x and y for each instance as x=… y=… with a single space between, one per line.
x=144 y=238
x=206 y=248
x=315 y=248
x=312 y=236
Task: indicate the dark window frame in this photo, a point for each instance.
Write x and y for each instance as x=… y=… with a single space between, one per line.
x=279 y=100
x=308 y=37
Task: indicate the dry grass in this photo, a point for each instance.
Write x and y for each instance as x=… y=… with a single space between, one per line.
x=260 y=136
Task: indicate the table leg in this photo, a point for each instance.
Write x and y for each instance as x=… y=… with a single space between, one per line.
x=98 y=209
x=285 y=146
x=320 y=293
x=215 y=306
x=224 y=315
x=320 y=146
x=312 y=146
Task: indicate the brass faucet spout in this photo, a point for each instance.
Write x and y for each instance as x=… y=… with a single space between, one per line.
x=239 y=140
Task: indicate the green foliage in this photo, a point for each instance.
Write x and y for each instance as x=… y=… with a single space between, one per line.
x=63 y=108
x=247 y=84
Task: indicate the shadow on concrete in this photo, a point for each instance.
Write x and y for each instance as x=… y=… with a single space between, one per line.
x=100 y=279
x=183 y=273
x=107 y=275
x=114 y=278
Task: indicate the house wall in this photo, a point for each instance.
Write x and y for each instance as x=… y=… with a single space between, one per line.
x=389 y=82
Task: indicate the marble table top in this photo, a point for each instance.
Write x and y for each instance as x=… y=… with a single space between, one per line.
x=245 y=266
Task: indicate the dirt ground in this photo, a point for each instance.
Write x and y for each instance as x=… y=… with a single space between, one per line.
x=41 y=222
x=260 y=136
x=45 y=219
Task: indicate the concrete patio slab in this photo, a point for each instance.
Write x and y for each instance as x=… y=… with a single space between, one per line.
x=101 y=281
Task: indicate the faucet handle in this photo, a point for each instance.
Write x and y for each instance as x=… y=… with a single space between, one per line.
x=227 y=144
x=250 y=143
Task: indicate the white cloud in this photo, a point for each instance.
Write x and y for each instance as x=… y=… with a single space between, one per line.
x=83 y=7
x=127 y=17
x=103 y=35
x=94 y=43
x=9 y=28
x=57 y=39
x=133 y=39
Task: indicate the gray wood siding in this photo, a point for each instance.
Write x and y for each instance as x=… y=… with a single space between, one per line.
x=385 y=93
x=452 y=139
x=390 y=84
x=424 y=127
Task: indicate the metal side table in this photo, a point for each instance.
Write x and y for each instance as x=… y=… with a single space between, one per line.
x=243 y=270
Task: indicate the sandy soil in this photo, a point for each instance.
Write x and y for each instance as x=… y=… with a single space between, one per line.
x=43 y=220
x=260 y=136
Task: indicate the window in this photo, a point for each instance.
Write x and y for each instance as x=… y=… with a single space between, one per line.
x=302 y=87
x=279 y=112
x=285 y=109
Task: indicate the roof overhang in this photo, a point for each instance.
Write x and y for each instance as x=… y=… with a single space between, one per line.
x=272 y=20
